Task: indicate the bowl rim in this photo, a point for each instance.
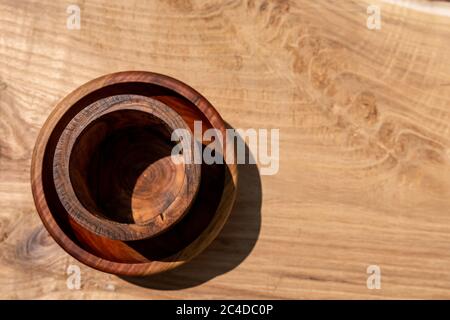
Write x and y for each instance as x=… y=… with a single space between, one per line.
x=130 y=269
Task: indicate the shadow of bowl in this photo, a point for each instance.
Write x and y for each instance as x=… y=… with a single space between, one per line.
x=233 y=245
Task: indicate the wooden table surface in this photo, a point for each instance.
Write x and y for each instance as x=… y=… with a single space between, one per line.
x=364 y=119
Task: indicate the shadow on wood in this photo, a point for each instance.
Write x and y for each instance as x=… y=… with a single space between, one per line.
x=235 y=242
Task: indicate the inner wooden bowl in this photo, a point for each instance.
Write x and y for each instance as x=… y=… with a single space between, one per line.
x=115 y=172
x=188 y=235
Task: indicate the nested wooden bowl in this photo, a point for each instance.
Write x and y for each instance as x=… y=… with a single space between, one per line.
x=114 y=171
x=106 y=187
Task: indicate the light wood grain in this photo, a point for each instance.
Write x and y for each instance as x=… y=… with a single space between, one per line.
x=364 y=153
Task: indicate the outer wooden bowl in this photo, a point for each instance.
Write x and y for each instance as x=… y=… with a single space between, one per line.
x=190 y=232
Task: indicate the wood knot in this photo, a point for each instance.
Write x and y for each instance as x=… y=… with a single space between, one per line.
x=37 y=246
x=386 y=133
x=364 y=109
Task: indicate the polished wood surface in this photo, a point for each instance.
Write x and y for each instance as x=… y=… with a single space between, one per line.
x=363 y=115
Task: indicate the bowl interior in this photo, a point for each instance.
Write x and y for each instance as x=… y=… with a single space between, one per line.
x=121 y=167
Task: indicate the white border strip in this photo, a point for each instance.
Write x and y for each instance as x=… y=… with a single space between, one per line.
x=439 y=9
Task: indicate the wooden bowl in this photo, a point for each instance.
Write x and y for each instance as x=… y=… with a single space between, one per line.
x=114 y=170
x=105 y=187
